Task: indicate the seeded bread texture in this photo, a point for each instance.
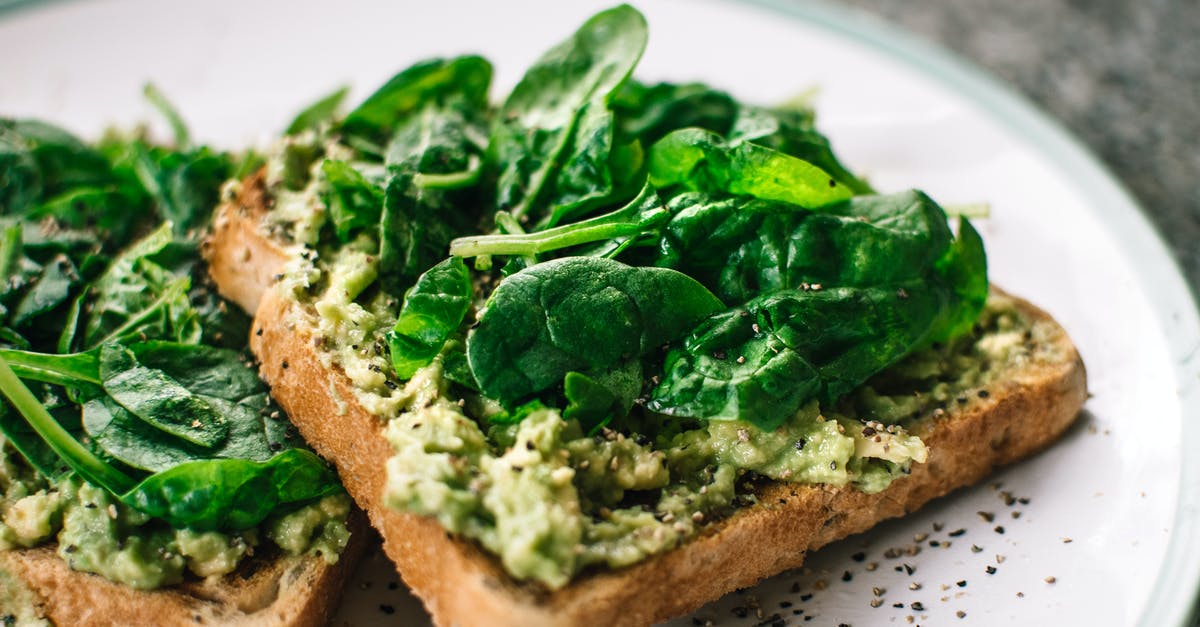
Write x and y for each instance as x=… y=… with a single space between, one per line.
x=267 y=590
x=1025 y=410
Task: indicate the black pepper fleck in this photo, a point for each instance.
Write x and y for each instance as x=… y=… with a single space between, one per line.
x=991 y=570
x=387 y=609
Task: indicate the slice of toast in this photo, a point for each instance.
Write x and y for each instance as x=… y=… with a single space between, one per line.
x=265 y=590
x=268 y=589
x=460 y=584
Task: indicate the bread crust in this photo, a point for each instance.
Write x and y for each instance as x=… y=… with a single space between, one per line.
x=280 y=590
x=462 y=585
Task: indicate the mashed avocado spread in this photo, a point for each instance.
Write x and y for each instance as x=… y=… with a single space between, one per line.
x=551 y=500
x=96 y=533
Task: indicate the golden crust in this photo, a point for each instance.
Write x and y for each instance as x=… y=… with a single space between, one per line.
x=277 y=591
x=461 y=585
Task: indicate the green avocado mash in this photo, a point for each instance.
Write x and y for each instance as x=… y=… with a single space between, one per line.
x=548 y=499
x=98 y=534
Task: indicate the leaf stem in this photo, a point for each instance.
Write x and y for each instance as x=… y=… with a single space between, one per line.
x=78 y=457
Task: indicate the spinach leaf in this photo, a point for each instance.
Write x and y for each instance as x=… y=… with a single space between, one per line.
x=50 y=289
x=184 y=186
x=138 y=297
x=320 y=112
x=697 y=159
x=158 y=400
x=369 y=126
x=647 y=112
x=762 y=361
x=232 y=494
x=83 y=461
x=433 y=163
x=354 y=201
x=433 y=310
x=596 y=400
x=578 y=314
x=740 y=247
x=792 y=131
x=552 y=144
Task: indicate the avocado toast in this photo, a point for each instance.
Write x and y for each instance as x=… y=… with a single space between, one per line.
x=609 y=350
x=145 y=477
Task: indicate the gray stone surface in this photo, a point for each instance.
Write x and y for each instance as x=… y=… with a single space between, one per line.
x=1122 y=75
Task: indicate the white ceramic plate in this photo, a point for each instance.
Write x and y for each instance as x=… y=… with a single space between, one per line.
x=1107 y=526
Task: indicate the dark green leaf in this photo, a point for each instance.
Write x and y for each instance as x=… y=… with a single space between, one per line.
x=354 y=201
x=433 y=310
x=232 y=494
x=647 y=112
x=160 y=401
x=578 y=314
x=740 y=247
x=373 y=121
x=552 y=143
x=317 y=113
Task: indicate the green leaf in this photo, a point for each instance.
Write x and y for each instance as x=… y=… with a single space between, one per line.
x=419 y=220
x=697 y=159
x=183 y=138
x=433 y=310
x=578 y=314
x=647 y=112
x=137 y=297
x=595 y=400
x=354 y=201
x=317 y=113
x=50 y=290
x=158 y=400
x=79 y=458
x=232 y=494
x=373 y=121
x=553 y=140
x=740 y=247
x=792 y=131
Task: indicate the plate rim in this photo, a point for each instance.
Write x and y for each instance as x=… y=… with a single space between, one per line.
x=1176 y=591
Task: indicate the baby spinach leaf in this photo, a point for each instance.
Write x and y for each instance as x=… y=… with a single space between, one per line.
x=433 y=310
x=647 y=112
x=369 y=126
x=595 y=400
x=158 y=400
x=51 y=288
x=701 y=160
x=555 y=129
x=317 y=113
x=740 y=247
x=433 y=162
x=354 y=201
x=792 y=131
x=137 y=297
x=578 y=314
x=185 y=186
x=763 y=361
x=231 y=494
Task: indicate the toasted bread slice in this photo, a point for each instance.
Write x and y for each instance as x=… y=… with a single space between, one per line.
x=280 y=591
x=460 y=584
